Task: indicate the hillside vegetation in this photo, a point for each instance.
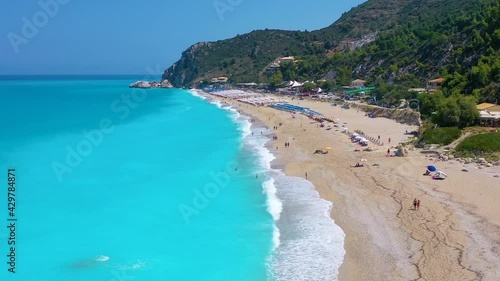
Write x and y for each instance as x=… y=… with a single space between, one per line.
x=417 y=40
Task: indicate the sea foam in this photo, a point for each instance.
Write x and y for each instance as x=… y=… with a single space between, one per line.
x=312 y=245
x=195 y=93
x=307 y=244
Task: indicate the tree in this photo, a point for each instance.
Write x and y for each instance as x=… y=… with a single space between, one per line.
x=328 y=45
x=468 y=111
x=327 y=85
x=456 y=111
x=308 y=86
x=447 y=113
x=276 y=79
x=288 y=69
x=344 y=75
x=430 y=103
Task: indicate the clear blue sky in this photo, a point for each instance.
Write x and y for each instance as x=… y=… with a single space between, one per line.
x=125 y=37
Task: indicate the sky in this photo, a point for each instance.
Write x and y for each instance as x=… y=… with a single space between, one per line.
x=138 y=37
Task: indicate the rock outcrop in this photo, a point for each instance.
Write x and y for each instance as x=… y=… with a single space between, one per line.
x=141 y=84
x=153 y=84
x=166 y=84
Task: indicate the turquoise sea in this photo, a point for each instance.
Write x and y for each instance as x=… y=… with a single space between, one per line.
x=121 y=184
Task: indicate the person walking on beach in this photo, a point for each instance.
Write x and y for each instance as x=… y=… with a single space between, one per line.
x=418 y=204
x=389 y=140
x=306 y=175
x=415 y=204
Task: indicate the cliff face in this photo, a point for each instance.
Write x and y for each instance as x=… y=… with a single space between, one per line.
x=185 y=70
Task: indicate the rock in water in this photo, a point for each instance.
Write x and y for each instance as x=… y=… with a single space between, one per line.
x=153 y=84
x=141 y=84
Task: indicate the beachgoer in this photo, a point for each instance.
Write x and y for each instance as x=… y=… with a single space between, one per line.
x=415 y=204
x=306 y=175
x=379 y=137
x=418 y=204
x=388 y=151
x=389 y=140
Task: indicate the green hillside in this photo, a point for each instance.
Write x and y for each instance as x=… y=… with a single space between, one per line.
x=416 y=40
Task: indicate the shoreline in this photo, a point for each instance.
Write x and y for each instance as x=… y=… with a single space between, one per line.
x=281 y=201
x=452 y=237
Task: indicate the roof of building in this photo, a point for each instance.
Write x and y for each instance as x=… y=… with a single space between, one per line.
x=358 y=81
x=484 y=105
x=247 y=84
x=494 y=109
x=437 y=80
x=287 y=58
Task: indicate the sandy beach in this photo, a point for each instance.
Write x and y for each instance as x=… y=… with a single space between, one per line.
x=454 y=235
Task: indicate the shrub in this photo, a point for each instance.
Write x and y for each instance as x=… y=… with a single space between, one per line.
x=442 y=135
x=489 y=142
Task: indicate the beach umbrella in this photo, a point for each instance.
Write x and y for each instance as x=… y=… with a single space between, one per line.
x=431 y=168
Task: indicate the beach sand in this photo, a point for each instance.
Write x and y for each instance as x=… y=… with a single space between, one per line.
x=454 y=235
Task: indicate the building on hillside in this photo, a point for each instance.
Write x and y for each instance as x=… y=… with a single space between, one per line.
x=274 y=65
x=435 y=84
x=358 y=83
x=247 y=85
x=418 y=90
x=286 y=59
x=221 y=79
x=489 y=114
